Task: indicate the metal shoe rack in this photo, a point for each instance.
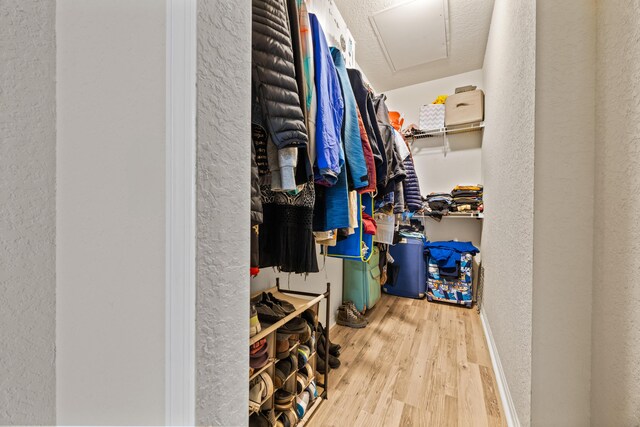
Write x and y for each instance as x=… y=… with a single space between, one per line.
x=302 y=301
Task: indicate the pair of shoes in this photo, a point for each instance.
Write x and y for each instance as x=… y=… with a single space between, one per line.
x=271 y=309
x=305 y=374
x=283 y=400
x=313 y=390
x=294 y=326
x=284 y=368
x=266 y=315
x=287 y=419
x=267 y=298
x=254 y=323
x=282 y=345
x=334 y=362
x=260 y=391
x=351 y=306
x=258 y=354
x=351 y=318
x=263 y=419
x=303 y=354
x=320 y=366
x=302 y=401
x=333 y=348
x=311 y=317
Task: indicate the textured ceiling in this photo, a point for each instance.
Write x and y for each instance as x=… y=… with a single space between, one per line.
x=469 y=22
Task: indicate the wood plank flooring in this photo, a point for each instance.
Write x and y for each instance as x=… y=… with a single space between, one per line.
x=416 y=364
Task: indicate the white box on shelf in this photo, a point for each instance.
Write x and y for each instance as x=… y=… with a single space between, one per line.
x=432 y=116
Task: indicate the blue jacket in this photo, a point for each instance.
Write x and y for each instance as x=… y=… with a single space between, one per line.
x=330 y=113
x=354 y=155
x=445 y=254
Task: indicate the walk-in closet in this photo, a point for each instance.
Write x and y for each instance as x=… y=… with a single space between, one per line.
x=367 y=210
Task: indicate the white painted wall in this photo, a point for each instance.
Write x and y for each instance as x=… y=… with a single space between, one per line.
x=223 y=204
x=330 y=271
x=615 y=397
x=436 y=172
x=508 y=168
x=27 y=212
x=111 y=212
x=563 y=223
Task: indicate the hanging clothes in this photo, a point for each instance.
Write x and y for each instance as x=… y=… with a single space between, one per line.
x=329 y=152
x=369 y=159
x=309 y=87
x=350 y=131
x=285 y=237
x=411 y=185
x=395 y=167
x=367 y=112
x=274 y=82
x=305 y=171
x=331 y=209
x=256 y=215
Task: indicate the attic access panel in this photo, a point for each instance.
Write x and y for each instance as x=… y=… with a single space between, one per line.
x=412 y=33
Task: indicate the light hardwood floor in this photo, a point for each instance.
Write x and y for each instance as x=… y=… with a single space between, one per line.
x=416 y=364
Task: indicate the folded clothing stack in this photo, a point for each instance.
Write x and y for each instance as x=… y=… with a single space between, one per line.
x=439 y=203
x=467 y=198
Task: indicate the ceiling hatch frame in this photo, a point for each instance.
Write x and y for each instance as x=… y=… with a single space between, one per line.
x=444 y=15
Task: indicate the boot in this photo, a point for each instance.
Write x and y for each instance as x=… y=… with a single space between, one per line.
x=351 y=306
x=348 y=318
x=333 y=348
x=334 y=362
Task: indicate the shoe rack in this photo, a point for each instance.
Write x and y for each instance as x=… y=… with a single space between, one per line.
x=302 y=301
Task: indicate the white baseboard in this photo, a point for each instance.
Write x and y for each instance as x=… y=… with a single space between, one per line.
x=503 y=387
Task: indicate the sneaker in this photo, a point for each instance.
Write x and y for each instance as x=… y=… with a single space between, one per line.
x=351 y=306
x=347 y=318
x=267 y=315
x=260 y=391
x=254 y=323
x=285 y=305
x=302 y=401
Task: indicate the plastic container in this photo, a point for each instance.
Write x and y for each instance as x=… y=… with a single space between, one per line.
x=386 y=225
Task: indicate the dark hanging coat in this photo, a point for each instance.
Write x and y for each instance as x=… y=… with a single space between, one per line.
x=364 y=100
x=395 y=166
x=285 y=236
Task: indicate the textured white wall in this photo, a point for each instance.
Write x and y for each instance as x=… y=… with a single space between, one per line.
x=507 y=164
x=27 y=211
x=563 y=224
x=223 y=225
x=615 y=397
x=111 y=212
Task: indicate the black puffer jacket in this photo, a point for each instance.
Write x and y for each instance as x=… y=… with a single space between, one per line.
x=274 y=74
